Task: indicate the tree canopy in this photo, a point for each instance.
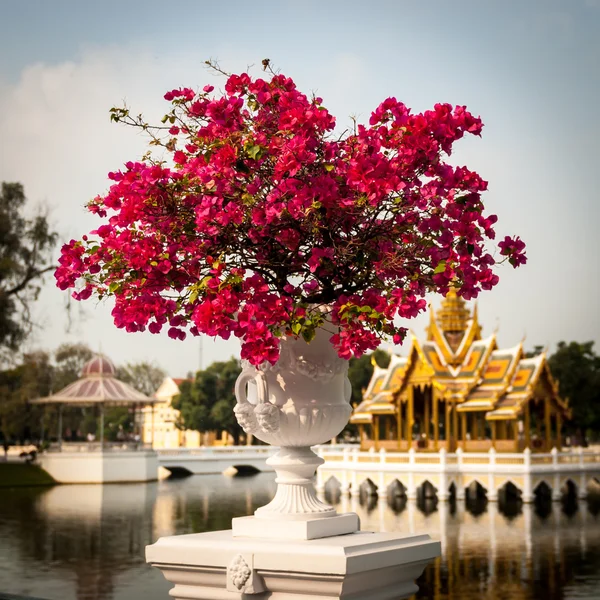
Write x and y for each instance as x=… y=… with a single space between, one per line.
x=25 y=255
x=207 y=402
x=145 y=377
x=577 y=368
x=361 y=370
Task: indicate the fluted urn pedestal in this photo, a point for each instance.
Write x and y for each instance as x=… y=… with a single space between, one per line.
x=301 y=401
x=296 y=547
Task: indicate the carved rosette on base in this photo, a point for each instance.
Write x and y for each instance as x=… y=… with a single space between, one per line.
x=301 y=401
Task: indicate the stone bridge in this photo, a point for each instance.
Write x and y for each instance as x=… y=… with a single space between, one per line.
x=217 y=459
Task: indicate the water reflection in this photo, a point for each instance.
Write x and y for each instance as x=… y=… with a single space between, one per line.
x=87 y=542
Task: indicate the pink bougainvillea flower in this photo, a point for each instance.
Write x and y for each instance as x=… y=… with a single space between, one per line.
x=257 y=216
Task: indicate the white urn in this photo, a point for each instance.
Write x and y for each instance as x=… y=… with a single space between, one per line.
x=301 y=401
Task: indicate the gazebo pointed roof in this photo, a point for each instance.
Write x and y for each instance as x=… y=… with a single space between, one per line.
x=98 y=385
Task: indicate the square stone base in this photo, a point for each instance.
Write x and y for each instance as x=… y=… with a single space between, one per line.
x=295 y=530
x=358 y=566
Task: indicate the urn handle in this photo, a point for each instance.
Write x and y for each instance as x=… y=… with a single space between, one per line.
x=264 y=416
x=247 y=376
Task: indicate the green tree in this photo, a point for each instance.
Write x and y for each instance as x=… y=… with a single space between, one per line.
x=69 y=362
x=32 y=378
x=206 y=403
x=25 y=256
x=577 y=369
x=145 y=377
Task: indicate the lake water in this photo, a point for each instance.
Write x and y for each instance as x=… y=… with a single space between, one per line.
x=87 y=542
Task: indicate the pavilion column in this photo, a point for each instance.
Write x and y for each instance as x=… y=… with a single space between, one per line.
x=493 y=426
x=501 y=433
x=447 y=424
x=463 y=419
x=386 y=428
x=527 y=426
x=427 y=417
x=558 y=431
x=59 y=432
x=474 y=427
x=399 y=423
x=376 y=431
x=102 y=426
x=436 y=420
x=454 y=411
x=515 y=425
x=548 y=425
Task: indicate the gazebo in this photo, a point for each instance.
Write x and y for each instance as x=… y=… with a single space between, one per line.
x=98 y=386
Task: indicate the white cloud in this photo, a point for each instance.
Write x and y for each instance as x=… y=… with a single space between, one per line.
x=57 y=140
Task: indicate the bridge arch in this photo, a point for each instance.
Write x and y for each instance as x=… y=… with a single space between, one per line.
x=243 y=470
x=543 y=490
x=396 y=489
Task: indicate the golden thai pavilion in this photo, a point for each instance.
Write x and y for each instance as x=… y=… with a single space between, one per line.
x=457 y=390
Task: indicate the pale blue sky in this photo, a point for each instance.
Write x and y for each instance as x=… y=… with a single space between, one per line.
x=529 y=68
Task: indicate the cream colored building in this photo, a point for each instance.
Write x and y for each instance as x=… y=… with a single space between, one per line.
x=159 y=423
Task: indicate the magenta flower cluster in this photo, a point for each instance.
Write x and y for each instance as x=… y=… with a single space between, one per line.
x=259 y=219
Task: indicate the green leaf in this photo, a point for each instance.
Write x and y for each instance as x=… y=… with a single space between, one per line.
x=296 y=327
x=113 y=287
x=440 y=268
x=253 y=152
x=329 y=168
x=308 y=335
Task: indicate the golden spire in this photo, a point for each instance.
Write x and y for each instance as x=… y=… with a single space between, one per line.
x=432 y=326
x=454 y=316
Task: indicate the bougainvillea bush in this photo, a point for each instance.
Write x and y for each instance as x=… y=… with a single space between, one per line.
x=258 y=213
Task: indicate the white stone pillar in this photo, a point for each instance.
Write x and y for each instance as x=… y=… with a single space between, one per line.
x=527 y=492
x=556 y=492
x=460 y=488
x=492 y=492
x=443 y=494
x=381 y=489
x=319 y=483
x=345 y=464
x=354 y=489
x=411 y=490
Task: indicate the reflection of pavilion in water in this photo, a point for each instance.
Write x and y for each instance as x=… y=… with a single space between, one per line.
x=87 y=533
